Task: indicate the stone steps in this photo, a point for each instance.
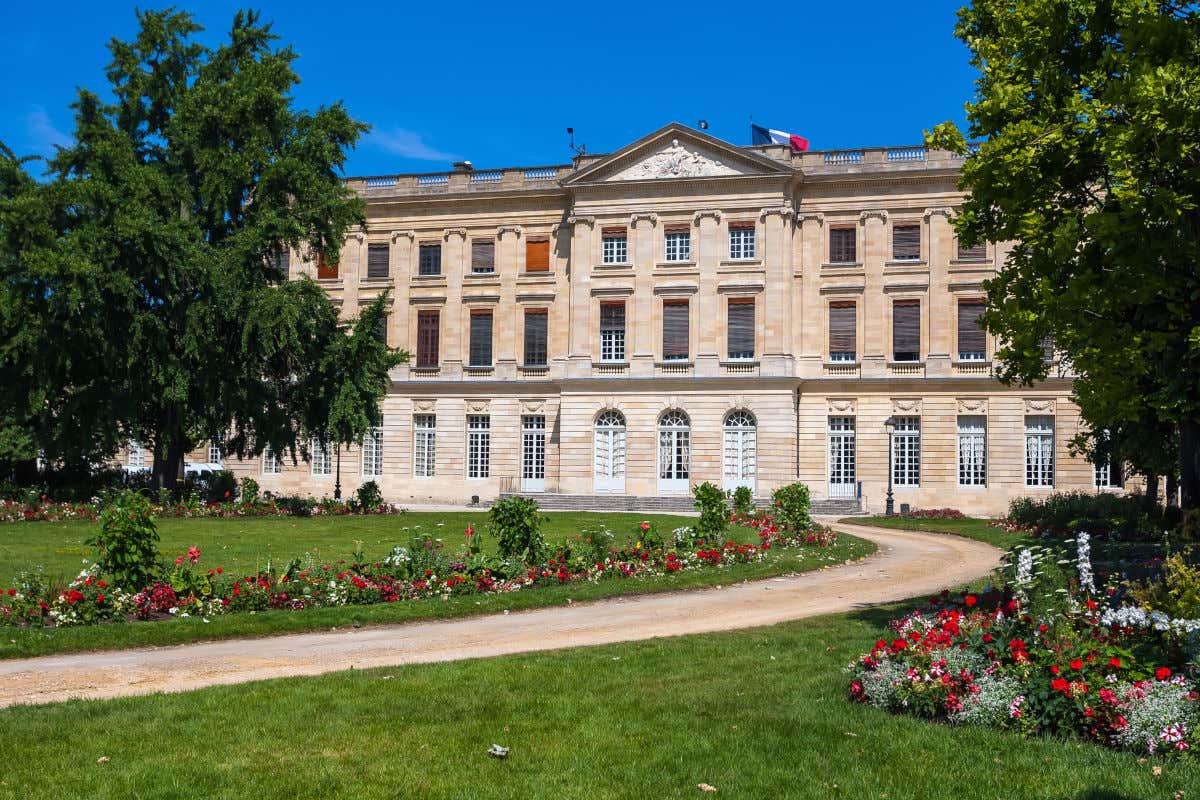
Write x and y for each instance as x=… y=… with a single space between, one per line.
x=664 y=505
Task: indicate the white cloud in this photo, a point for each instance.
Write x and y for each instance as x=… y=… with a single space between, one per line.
x=42 y=132
x=408 y=144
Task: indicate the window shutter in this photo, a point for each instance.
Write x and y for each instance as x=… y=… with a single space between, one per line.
x=677 y=227
x=612 y=316
x=537 y=255
x=741 y=225
x=431 y=259
x=675 y=330
x=535 y=337
x=427 y=338
x=906 y=242
x=843 y=327
x=971 y=337
x=611 y=232
x=483 y=255
x=377 y=260
x=481 y=339
x=325 y=269
x=842 y=246
x=976 y=253
x=906 y=330
x=741 y=328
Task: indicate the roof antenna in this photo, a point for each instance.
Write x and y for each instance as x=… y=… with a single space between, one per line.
x=581 y=149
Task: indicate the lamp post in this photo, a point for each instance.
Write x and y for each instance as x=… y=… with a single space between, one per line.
x=889 y=425
x=337 y=481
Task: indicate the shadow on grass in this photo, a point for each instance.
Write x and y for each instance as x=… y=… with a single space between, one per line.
x=1103 y=794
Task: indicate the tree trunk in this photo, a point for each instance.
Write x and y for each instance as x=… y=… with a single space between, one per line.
x=170 y=449
x=1151 y=496
x=1189 y=464
x=1172 y=489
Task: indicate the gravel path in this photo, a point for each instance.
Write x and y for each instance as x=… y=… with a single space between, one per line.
x=907 y=565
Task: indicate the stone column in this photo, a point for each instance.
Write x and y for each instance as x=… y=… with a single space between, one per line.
x=876 y=314
x=352 y=264
x=509 y=331
x=811 y=324
x=939 y=311
x=777 y=267
x=454 y=258
x=579 y=363
x=639 y=311
x=403 y=260
x=705 y=313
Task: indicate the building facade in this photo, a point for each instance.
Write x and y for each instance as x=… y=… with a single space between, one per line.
x=685 y=310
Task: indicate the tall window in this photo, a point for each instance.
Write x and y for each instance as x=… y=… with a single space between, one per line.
x=137 y=455
x=843 y=460
x=608 y=464
x=843 y=246
x=281 y=262
x=906 y=452
x=741 y=328
x=481 y=338
x=535 y=337
x=215 y=454
x=537 y=255
x=976 y=253
x=612 y=331
x=372 y=453
x=906 y=242
x=428 y=327
x=614 y=246
x=381 y=329
x=741 y=240
x=424 y=445
x=483 y=256
x=533 y=453
x=972 y=341
x=322 y=462
x=1039 y=451
x=741 y=449
x=1106 y=472
x=676 y=330
x=972 y=451
x=479 y=445
x=1047 y=348
x=327 y=269
x=678 y=240
x=674 y=449
x=378 y=257
x=906 y=330
x=429 y=259
x=270 y=461
x=843 y=331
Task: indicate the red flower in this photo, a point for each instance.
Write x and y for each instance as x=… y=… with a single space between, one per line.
x=645 y=526
x=1076 y=663
x=1055 y=669
x=1059 y=684
x=1162 y=673
x=1016 y=644
x=102 y=584
x=987 y=637
x=99 y=598
x=11 y=592
x=1114 y=662
x=970 y=600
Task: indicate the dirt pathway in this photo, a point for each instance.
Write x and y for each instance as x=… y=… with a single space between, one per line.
x=906 y=565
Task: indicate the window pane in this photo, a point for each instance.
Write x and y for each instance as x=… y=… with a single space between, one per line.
x=483 y=256
x=842 y=246
x=906 y=330
x=430 y=259
x=427 y=338
x=741 y=328
x=906 y=242
x=843 y=331
x=972 y=341
x=481 y=339
x=535 y=337
x=675 y=331
x=378 y=256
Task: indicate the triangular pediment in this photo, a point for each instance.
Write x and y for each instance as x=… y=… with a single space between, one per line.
x=676 y=152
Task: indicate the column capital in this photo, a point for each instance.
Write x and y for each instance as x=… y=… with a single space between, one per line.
x=816 y=217
x=708 y=212
x=945 y=211
x=514 y=229
x=397 y=234
x=455 y=232
x=581 y=219
x=634 y=219
x=785 y=211
x=878 y=213
x=358 y=235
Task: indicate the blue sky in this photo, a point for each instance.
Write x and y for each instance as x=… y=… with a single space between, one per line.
x=498 y=83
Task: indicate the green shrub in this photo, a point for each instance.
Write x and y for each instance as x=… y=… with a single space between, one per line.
x=296 y=505
x=792 y=504
x=221 y=487
x=1068 y=513
x=594 y=546
x=128 y=542
x=714 y=513
x=368 y=497
x=743 y=501
x=249 y=491
x=517 y=527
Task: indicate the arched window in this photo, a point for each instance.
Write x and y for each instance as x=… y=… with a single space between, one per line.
x=674 y=451
x=609 y=458
x=741 y=449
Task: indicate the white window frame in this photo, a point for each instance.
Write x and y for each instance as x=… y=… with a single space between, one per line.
x=740 y=450
x=1039 y=451
x=136 y=456
x=533 y=453
x=424 y=445
x=972 y=450
x=906 y=452
x=321 y=458
x=614 y=248
x=612 y=346
x=843 y=456
x=372 y=453
x=677 y=246
x=479 y=446
x=674 y=452
x=215 y=454
x=742 y=244
x=608 y=453
x=270 y=462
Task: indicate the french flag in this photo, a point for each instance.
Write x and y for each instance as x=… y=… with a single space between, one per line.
x=761 y=135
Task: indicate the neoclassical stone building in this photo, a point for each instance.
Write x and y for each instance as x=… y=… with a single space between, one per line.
x=686 y=310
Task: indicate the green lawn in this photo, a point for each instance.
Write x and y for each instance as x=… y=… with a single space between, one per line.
x=979 y=529
x=241 y=544
x=757 y=714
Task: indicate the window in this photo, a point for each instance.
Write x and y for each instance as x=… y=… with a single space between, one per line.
x=281 y=261
x=678 y=243
x=843 y=331
x=424 y=445
x=535 y=337
x=322 y=462
x=429 y=259
x=483 y=256
x=741 y=240
x=479 y=446
x=270 y=462
x=741 y=327
x=428 y=328
x=378 y=260
x=906 y=330
x=481 y=339
x=972 y=341
x=372 y=453
x=976 y=253
x=843 y=245
x=137 y=455
x=675 y=330
x=614 y=246
x=1106 y=471
x=906 y=452
x=533 y=453
x=1039 y=451
x=972 y=451
x=608 y=465
x=215 y=454
x=612 y=331
x=381 y=329
x=537 y=255
x=1047 y=348
x=843 y=464
x=906 y=242
x=674 y=450
x=741 y=446
x=326 y=269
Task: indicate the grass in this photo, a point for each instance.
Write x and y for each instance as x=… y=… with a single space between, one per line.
x=759 y=713
x=973 y=528
x=243 y=544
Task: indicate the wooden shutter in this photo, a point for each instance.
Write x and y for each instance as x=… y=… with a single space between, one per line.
x=971 y=338
x=326 y=270
x=677 y=227
x=613 y=232
x=675 y=330
x=427 y=338
x=842 y=246
x=741 y=328
x=976 y=253
x=843 y=327
x=537 y=255
x=431 y=259
x=535 y=337
x=377 y=260
x=906 y=242
x=906 y=330
x=741 y=225
x=612 y=316
x=481 y=339
x=483 y=255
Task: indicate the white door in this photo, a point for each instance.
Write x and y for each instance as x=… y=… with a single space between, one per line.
x=609 y=459
x=533 y=454
x=843 y=475
x=741 y=445
x=674 y=453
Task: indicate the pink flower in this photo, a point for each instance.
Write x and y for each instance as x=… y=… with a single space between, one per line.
x=193 y=554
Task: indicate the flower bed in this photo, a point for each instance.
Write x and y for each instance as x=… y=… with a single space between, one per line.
x=47 y=510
